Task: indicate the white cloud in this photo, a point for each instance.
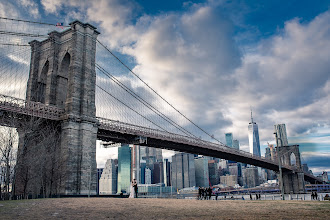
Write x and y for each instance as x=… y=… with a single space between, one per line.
x=31 y=6
x=286 y=80
x=190 y=58
x=8 y=10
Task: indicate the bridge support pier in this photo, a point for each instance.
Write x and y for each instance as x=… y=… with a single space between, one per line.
x=62 y=74
x=78 y=142
x=293 y=182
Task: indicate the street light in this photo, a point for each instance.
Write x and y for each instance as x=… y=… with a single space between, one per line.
x=279 y=165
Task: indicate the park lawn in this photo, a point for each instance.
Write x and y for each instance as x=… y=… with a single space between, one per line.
x=119 y=208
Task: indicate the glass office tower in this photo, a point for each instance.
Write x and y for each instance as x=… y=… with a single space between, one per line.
x=229 y=139
x=124 y=169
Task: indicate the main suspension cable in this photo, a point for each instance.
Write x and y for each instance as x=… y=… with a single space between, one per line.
x=143 y=101
x=129 y=69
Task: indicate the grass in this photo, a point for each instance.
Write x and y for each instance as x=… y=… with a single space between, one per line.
x=117 y=208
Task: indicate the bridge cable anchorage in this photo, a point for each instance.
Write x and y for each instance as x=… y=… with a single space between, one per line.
x=132 y=109
x=212 y=137
x=143 y=101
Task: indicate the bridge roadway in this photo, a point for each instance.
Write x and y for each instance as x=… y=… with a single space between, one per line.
x=119 y=132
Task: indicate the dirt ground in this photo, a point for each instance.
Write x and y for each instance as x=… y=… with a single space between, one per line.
x=119 y=208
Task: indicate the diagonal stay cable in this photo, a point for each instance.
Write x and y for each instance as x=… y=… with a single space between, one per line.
x=131 y=108
x=157 y=93
x=144 y=102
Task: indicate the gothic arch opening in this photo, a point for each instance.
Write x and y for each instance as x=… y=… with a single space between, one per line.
x=41 y=90
x=293 y=161
x=62 y=81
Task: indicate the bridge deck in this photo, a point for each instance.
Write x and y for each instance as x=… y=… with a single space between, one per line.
x=119 y=132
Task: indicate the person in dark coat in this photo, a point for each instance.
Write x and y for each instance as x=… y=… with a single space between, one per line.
x=210 y=192
x=200 y=193
x=135 y=188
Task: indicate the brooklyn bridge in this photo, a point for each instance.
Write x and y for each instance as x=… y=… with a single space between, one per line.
x=75 y=91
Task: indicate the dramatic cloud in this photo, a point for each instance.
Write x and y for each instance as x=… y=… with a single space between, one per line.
x=287 y=79
x=8 y=9
x=31 y=6
x=191 y=59
x=196 y=60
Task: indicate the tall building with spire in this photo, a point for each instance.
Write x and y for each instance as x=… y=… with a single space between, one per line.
x=254 y=142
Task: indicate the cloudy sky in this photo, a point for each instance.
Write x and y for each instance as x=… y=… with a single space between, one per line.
x=215 y=60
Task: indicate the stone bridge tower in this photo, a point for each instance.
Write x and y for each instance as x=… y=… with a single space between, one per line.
x=62 y=74
x=293 y=182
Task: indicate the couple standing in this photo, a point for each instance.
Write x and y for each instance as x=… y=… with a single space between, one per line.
x=133 y=189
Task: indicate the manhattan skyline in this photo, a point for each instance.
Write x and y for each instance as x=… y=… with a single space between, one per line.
x=215 y=59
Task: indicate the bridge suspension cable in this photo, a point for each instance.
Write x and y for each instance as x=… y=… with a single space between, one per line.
x=31 y=22
x=36 y=32
x=130 y=70
x=143 y=101
x=131 y=108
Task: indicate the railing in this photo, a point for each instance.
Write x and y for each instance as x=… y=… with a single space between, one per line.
x=36 y=109
x=112 y=125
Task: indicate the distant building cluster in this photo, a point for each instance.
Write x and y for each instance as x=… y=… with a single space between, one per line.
x=156 y=174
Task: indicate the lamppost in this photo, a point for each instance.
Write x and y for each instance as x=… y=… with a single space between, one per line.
x=89 y=181
x=279 y=165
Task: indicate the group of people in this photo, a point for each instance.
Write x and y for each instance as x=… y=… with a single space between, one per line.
x=133 y=189
x=258 y=196
x=204 y=193
x=314 y=196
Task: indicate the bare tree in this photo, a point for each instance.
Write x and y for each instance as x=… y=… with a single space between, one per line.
x=8 y=147
x=40 y=166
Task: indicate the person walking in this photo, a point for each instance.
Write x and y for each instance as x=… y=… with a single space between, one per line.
x=199 y=193
x=209 y=192
x=135 y=186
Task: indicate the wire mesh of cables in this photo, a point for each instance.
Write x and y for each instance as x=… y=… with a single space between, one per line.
x=126 y=91
x=15 y=52
x=120 y=93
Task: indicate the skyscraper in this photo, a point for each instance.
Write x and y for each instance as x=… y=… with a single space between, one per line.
x=280 y=135
x=135 y=166
x=236 y=144
x=183 y=171
x=213 y=172
x=124 y=168
x=108 y=180
x=229 y=139
x=167 y=172
x=202 y=172
x=254 y=142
